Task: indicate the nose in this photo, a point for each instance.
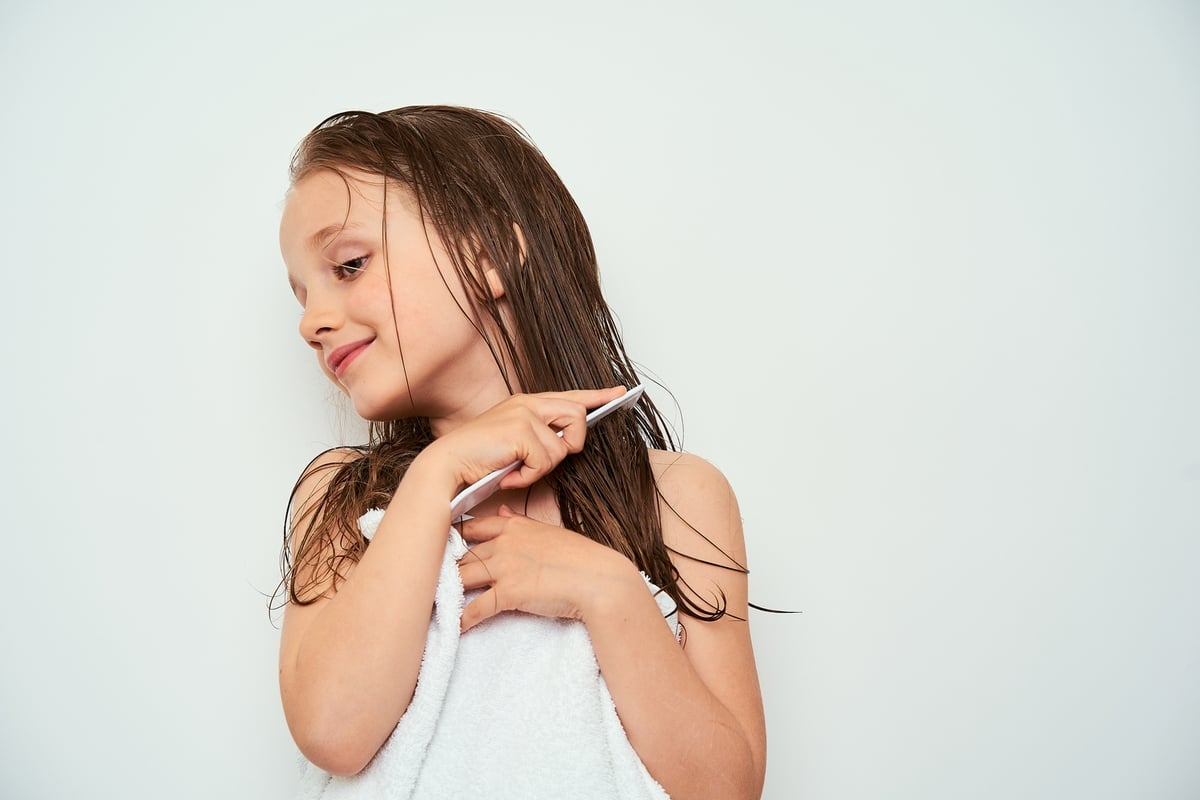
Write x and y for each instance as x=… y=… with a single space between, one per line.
x=318 y=320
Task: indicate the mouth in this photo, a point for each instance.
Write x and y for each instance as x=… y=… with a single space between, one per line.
x=340 y=359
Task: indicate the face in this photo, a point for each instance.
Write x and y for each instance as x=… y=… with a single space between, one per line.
x=394 y=330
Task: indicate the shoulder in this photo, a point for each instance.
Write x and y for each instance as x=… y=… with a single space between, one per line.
x=316 y=547
x=687 y=476
x=333 y=457
x=698 y=508
x=315 y=478
x=326 y=463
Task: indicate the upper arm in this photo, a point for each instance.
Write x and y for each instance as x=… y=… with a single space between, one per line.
x=309 y=558
x=702 y=527
x=311 y=563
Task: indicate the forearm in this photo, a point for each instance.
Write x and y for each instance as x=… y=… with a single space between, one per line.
x=350 y=673
x=692 y=744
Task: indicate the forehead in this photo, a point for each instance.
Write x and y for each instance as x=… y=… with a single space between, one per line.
x=324 y=202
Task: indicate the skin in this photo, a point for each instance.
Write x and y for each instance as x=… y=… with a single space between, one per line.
x=349 y=661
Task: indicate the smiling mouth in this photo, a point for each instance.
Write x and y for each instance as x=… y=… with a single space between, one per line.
x=340 y=359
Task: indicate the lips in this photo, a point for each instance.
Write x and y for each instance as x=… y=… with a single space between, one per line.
x=340 y=359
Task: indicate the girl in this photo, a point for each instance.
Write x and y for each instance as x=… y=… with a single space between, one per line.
x=450 y=289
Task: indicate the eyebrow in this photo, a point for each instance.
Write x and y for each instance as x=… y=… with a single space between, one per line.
x=320 y=240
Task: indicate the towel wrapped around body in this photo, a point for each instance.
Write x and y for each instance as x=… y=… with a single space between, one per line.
x=515 y=708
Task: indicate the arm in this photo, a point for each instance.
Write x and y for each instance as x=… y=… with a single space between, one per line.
x=693 y=713
x=348 y=662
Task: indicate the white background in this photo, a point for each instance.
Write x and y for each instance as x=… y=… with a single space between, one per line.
x=923 y=279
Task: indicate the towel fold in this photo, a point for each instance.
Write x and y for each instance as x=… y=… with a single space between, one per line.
x=515 y=709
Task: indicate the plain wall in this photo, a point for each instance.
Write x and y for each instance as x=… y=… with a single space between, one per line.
x=923 y=279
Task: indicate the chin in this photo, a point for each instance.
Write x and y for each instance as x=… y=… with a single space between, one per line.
x=383 y=412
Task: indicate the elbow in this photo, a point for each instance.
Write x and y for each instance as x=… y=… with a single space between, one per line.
x=335 y=744
x=748 y=779
x=757 y=787
x=747 y=769
x=751 y=785
x=334 y=731
x=738 y=773
x=340 y=763
x=758 y=769
x=336 y=754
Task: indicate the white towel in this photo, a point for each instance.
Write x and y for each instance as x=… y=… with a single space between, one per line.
x=515 y=709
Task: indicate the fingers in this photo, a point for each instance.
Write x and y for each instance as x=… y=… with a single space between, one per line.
x=520 y=564
x=558 y=427
x=542 y=447
x=482 y=607
x=537 y=431
x=476 y=574
x=474 y=569
x=573 y=428
x=590 y=398
x=484 y=529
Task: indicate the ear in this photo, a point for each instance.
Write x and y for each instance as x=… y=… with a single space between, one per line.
x=520 y=241
x=491 y=275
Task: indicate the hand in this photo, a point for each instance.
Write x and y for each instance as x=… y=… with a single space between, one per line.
x=538 y=430
x=541 y=569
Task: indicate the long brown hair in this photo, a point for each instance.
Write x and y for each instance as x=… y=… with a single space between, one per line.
x=480 y=180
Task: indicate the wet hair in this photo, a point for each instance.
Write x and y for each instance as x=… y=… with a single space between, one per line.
x=478 y=178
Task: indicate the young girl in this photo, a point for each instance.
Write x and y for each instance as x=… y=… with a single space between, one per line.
x=450 y=290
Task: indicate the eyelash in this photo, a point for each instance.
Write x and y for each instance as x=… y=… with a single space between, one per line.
x=349 y=269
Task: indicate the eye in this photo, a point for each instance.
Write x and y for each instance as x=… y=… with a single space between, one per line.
x=348 y=269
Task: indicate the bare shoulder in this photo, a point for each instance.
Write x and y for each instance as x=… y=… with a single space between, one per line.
x=312 y=555
x=701 y=521
x=314 y=480
x=687 y=477
x=328 y=460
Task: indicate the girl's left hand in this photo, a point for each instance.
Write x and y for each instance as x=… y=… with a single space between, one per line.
x=527 y=565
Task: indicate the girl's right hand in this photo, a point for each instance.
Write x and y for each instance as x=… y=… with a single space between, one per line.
x=539 y=430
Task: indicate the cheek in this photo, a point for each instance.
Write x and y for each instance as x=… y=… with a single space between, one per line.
x=371 y=301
